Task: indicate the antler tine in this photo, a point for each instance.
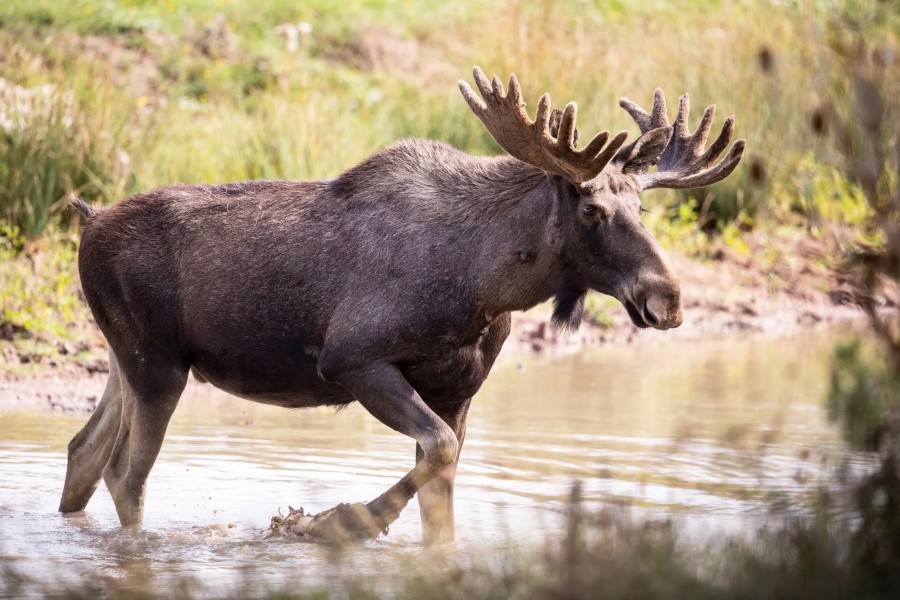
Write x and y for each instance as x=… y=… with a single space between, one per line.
x=684 y=163
x=656 y=118
x=680 y=126
x=659 y=113
x=555 y=120
x=705 y=124
x=515 y=92
x=549 y=142
x=497 y=86
x=566 y=132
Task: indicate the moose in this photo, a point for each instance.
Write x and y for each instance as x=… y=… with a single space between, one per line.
x=390 y=285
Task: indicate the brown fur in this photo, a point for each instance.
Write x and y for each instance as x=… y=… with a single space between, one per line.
x=390 y=285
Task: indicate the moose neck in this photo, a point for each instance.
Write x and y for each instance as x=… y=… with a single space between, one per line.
x=507 y=225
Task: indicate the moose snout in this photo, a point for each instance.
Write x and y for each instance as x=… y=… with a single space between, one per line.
x=663 y=311
x=655 y=302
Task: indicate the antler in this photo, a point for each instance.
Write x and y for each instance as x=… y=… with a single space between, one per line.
x=505 y=117
x=684 y=163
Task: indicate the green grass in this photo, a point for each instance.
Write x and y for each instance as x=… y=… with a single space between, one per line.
x=39 y=296
x=65 y=136
x=203 y=91
x=147 y=93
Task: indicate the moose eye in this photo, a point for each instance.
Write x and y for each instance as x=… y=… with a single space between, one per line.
x=589 y=210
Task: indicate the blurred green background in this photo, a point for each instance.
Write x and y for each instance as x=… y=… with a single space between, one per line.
x=139 y=94
x=108 y=98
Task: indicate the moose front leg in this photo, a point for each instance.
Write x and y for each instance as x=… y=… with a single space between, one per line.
x=436 y=497
x=388 y=396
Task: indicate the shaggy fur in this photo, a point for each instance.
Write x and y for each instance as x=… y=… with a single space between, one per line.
x=390 y=285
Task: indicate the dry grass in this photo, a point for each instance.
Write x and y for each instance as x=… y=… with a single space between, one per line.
x=219 y=96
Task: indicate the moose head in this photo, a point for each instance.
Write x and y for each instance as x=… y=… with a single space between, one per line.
x=596 y=190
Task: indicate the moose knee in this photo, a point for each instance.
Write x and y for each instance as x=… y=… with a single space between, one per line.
x=76 y=443
x=441 y=448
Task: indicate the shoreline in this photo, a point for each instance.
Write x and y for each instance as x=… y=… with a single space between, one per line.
x=730 y=295
x=75 y=385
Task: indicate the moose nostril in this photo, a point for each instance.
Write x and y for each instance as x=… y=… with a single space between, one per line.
x=649 y=316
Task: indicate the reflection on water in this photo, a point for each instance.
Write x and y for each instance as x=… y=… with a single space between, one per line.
x=709 y=432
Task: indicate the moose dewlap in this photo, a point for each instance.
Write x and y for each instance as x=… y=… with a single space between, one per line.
x=390 y=285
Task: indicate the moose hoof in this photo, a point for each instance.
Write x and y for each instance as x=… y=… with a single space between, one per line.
x=345 y=524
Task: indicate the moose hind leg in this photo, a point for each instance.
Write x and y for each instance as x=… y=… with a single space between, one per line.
x=89 y=450
x=148 y=400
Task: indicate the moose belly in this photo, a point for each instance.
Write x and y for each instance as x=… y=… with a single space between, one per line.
x=285 y=379
x=451 y=379
x=284 y=372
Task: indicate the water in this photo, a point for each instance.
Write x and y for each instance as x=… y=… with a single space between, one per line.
x=710 y=433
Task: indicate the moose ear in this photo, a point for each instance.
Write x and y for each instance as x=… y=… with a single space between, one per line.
x=644 y=152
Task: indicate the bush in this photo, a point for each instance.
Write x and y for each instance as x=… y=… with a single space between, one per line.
x=52 y=145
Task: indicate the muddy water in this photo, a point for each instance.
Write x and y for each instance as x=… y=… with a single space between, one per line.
x=708 y=432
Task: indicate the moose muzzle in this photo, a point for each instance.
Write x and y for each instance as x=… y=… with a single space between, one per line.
x=654 y=303
x=653 y=298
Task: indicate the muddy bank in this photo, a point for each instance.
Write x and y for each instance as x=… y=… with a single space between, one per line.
x=723 y=297
x=730 y=295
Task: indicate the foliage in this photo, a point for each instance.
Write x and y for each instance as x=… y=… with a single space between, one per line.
x=39 y=296
x=863 y=120
x=678 y=227
x=52 y=145
x=861 y=113
x=825 y=195
x=862 y=392
x=202 y=91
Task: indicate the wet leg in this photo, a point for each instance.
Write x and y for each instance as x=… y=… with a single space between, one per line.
x=436 y=497
x=385 y=393
x=89 y=450
x=148 y=400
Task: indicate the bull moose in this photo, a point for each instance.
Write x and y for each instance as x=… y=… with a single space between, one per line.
x=390 y=285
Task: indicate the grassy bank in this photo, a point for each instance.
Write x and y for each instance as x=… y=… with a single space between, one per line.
x=105 y=99
x=141 y=94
